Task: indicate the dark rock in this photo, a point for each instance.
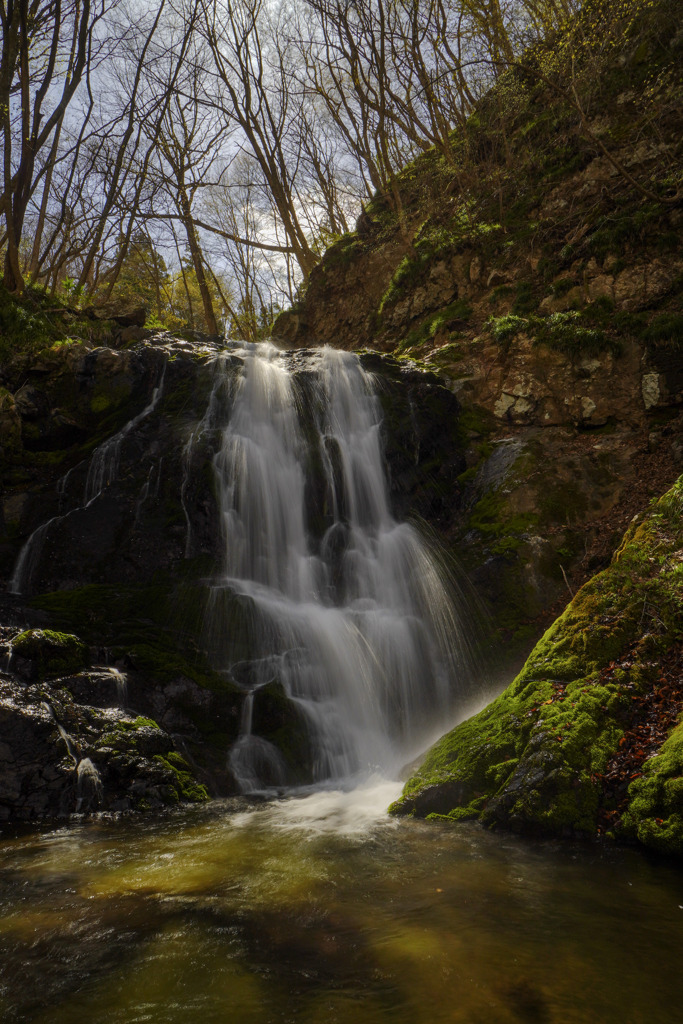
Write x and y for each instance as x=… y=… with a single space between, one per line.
x=39 y=653
x=31 y=403
x=130 y=316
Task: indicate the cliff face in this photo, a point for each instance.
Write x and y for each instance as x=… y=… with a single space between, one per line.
x=541 y=279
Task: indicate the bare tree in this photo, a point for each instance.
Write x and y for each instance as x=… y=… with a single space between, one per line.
x=41 y=44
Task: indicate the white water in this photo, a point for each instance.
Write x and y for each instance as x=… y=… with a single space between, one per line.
x=358 y=627
x=88 y=786
x=104 y=464
x=29 y=556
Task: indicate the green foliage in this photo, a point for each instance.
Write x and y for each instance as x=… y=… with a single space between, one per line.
x=665 y=330
x=525 y=300
x=566 y=333
x=638 y=224
x=23 y=326
x=571 y=332
x=563 y=286
x=504 y=328
x=459 y=310
x=153 y=323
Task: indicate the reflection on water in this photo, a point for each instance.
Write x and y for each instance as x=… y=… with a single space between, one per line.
x=321 y=910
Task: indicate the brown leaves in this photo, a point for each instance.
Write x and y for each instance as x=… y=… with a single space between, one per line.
x=652 y=717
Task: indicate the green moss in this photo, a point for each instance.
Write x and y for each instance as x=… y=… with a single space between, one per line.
x=655 y=812
x=532 y=759
x=525 y=300
x=51 y=653
x=500 y=527
x=184 y=786
x=100 y=403
x=139 y=723
x=563 y=286
x=449 y=316
x=342 y=253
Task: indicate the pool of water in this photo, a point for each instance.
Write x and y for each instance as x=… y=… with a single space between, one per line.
x=320 y=909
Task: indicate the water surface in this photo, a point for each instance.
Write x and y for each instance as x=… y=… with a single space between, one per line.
x=320 y=909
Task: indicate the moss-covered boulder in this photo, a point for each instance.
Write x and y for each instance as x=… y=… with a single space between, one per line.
x=39 y=653
x=655 y=812
x=536 y=759
x=182 y=785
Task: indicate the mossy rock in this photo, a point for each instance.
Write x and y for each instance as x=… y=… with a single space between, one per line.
x=39 y=653
x=655 y=813
x=533 y=759
x=184 y=787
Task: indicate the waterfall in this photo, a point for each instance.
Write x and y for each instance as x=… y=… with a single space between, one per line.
x=29 y=556
x=104 y=463
x=89 y=790
x=354 y=620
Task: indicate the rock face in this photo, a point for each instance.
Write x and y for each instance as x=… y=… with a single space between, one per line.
x=545 y=289
x=111 y=535
x=60 y=756
x=578 y=744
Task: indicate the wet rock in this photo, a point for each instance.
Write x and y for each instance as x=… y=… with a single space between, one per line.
x=10 y=425
x=58 y=758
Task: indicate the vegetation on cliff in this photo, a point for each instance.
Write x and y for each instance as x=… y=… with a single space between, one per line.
x=536 y=758
x=541 y=278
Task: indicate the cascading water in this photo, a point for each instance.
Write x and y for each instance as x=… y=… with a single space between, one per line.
x=104 y=464
x=356 y=621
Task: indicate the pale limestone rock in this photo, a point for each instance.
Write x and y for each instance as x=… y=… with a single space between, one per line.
x=497 y=277
x=629 y=287
x=651 y=390
x=475 y=269
x=562 y=303
x=588 y=407
x=599 y=169
x=504 y=403
x=13 y=507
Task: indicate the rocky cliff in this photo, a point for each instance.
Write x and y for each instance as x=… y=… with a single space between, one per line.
x=541 y=278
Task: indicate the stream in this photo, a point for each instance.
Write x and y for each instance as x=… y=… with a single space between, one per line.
x=321 y=909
